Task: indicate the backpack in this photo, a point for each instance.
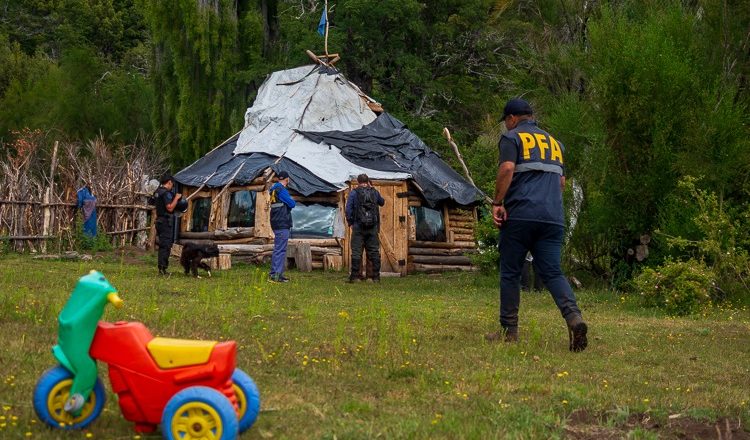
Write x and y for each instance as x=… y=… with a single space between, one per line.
x=367 y=209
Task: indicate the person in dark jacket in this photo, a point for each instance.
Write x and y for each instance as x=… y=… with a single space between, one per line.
x=166 y=202
x=281 y=223
x=363 y=216
x=528 y=209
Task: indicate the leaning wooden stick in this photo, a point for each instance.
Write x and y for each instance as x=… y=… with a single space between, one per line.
x=453 y=145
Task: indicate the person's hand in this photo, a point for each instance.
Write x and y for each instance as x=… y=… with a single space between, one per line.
x=499 y=215
x=177 y=196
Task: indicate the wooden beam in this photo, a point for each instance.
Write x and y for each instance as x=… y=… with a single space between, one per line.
x=441 y=259
x=442 y=268
x=437 y=251
x=441 y=245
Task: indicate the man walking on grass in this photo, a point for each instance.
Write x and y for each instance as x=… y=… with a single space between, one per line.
x=528 y=209
x=363 y=216
x=281 y=224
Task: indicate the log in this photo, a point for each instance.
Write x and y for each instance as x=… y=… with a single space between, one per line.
x=27 y=237
x=436 y=251
x=302 y=257
x=441 y=268
x=244 y=248
x=641 y=252
x=442 y=245
x=441 y=259
x=222 y=262
x=221 y=234
x=462 y=237
x=325 y=250
x=176 y=251
x=333 y=262
x=127 y=231
x=315 y=241
x=462 y=230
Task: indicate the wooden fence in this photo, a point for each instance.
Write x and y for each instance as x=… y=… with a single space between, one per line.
x=29 y=225
x=39 y=181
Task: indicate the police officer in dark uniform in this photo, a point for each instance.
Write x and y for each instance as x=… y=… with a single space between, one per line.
x=166 y=202
x=528 y=209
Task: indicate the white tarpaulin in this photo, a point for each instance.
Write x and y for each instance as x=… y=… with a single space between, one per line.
x=308 y=98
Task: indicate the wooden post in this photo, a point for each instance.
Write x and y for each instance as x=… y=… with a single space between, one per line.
x=303 y=257
x=47 y=223
x=141 y=237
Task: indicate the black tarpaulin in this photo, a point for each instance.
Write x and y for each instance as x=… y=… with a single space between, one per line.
x=386 y=144
x=220 y=166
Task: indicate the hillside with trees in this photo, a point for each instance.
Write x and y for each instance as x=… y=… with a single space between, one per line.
x=650 y=98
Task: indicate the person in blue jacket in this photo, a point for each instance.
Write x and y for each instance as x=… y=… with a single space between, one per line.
x=87 y=204
x=281 y=223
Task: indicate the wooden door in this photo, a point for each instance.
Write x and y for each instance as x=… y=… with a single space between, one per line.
x=393 y=226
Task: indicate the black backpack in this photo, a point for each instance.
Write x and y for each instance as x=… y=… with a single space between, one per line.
x=367 y=209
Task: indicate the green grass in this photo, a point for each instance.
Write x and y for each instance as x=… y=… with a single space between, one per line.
x=403 y=359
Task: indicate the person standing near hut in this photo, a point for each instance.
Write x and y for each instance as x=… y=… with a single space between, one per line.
x=281 y=224
x=166 y=202
x=528 y=209
x=363 y=216
x=86 y=202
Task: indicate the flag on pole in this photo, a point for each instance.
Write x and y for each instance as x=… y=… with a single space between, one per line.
x=322 y=23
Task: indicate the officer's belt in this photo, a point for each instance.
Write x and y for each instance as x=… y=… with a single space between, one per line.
x=538 y=166
x=277 y=205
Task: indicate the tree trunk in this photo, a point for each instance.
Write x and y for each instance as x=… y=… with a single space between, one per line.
x=270 y=11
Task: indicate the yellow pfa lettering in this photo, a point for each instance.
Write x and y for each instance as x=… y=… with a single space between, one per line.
x=543 y=146
x=555 y=150
x=528 y=144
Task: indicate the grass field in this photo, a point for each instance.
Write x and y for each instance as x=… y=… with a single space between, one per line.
x=402 y=359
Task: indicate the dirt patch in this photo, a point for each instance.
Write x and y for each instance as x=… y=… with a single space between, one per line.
x=583 y=425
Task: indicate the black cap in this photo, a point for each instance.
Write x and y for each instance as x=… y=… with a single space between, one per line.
x=282 y=175
x=517 y=106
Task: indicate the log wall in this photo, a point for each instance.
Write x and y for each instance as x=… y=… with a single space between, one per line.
x=455 y=252
x=255 y=245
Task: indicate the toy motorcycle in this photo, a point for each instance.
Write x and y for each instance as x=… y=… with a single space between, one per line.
x=191 y=388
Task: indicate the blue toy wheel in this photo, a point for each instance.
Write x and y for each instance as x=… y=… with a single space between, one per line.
x=248 y=399
x=199 y=413
x=52 y=391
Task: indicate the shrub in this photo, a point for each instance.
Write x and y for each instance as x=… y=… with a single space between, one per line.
x=487 y=234
x=679 y=287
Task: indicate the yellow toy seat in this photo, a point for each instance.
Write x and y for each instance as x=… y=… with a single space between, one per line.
x=173 y=353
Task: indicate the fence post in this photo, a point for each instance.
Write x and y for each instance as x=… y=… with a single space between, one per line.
x=48 y=219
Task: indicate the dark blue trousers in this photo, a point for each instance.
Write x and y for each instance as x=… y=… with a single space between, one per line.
x=544 y=241
x=278 y=257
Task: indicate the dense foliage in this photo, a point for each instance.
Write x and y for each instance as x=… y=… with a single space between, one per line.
x=642 y=93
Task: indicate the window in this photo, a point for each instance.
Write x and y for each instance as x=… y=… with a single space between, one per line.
x=316 y=220
x=430 y=225
x=201 y=214
x=241 y=209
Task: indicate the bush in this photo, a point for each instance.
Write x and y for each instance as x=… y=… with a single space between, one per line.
x=83 y=242
x=487 y=234
x=679 y=287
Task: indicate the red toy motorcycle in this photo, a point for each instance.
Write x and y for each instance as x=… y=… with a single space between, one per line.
x=191 y=388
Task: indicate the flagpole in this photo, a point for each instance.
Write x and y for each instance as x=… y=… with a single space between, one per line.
x=326 y=40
